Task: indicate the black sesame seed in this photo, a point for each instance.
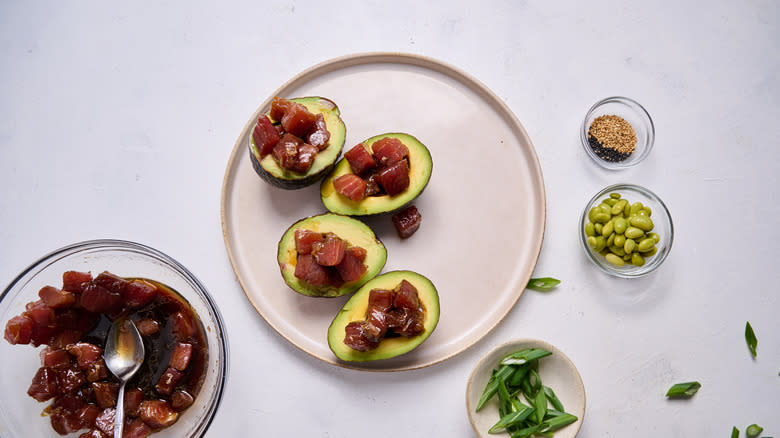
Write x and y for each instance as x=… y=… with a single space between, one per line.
x=605 y=153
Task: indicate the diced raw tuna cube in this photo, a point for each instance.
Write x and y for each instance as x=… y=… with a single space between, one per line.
x=320 y=136
x=355 y=337
x=407 y=221
x=183 y=326
x=181 y=400
x=147 y=326
x=330 y=252
x=41 y=314
x=97 y=370
x=180 y=357
x=133 y=399
x=394 y=179
x=372 y=186
x=265 y=136
x=93 y=433
x=360 y=159
x=85 y=353
x=98 y=299
x=157 y=413
x=309 y=271
x=106 y=394
x=136 y=429
x=69 y=402
x=305 y=158
x=87 y=415
x=351 y=267
x=279 y=106
x=18 y=330
x=56 y=298
x=305 y=238
x=351 y=186
x=297 y=120
x=55 y=358
x=168 y=381
x=70 y=379
x=64 y=422
x=105 y=421
x=77 y=319
x=388 y=151
x=111 y=282
x=42 y=335
x=73 y=281
x=63 y=338
x=406 y=296
x=286 y=151
x=44 y=384
x=139 y=292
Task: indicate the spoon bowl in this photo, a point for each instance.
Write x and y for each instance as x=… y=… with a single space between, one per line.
x=124 y=354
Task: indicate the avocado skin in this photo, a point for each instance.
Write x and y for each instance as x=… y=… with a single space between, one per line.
x=420 y=155
x=337 y=137
x=355 y=309
x=353 y=231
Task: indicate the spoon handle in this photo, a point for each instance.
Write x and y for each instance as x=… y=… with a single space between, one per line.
x=119 y=416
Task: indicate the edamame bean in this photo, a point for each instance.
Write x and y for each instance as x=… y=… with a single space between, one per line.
x=637 y=259
x=620 y=240
x=598 y=227
x=610 y=201
x=627 y=210
x=633 y=233
x=620 y=225
x=611 y=239
x=609 y=227
x=647 y=211
x=617 y=251
x=615 y=260
x=592 y=242
x=602 y=217
x=635 y=207
x=656 y=238
x=614 y=195
x=590 y=230
x=650 y=253
x=618 y=207
x=592 y=214
x=646 y=244
x=604 y=208
x=642 y=222
x=601 y=243
x=629 y=246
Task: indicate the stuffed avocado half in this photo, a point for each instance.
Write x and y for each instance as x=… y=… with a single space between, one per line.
x=268 y=166
x=419 y=164
x=362 y=307
x=329 y=255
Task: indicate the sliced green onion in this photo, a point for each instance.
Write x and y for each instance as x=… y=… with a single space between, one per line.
x=527 y=432
x=543 y=284
x=553 y=413
x=540 y=404
x=511 y=419
x=686 y=389
x=553 y=398
x=519 y=406
x=524 y=356
x=750 y=338
x=734 y=432
x=535 y=381
x=753 y=430
x=504 y=403
x=558 y=422
x=492 y=386
x=518 y=376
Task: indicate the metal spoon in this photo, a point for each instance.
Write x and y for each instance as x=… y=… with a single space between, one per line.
x=124 y=355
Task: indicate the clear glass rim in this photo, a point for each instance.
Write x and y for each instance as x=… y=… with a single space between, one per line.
x=636 y=106
x=201 y=290
x=632 y=273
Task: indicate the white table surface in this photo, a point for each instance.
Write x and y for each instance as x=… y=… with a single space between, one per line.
x=116 y=121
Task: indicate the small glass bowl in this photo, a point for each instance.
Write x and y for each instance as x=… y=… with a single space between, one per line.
x=633 y=113
x=662 y=226
x=20 y=415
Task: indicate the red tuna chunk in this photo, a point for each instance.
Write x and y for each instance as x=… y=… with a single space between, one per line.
x=147 y=326
x=286 y=151
x=355 y=337
x=183 y=326
x=44 y=384
x=304 y=240
x=297 y=120
x=56 y=298
x=388 y=151
x=41 y=314
x=304 y=158
x=168 y=381
x=18 y=330
x=93 y=433
x=181 y=400
x=351 y=186
x=309 y=271
x=379 y=302
x=330 y=252
x=55 y=358
x=73 y=281
x=106 y=394
x=98 y=299
x=136 y=429
x=351 y=267
x=111 y=282
x=139 y=293
x=394 y=179
x=133 y=399
x=157 y=413
x=85 y=353
x=265 y=136
x=360 y=159
x=70 y=379
x=64 y=422
x=279 y=106
x=406 y=296
x=180 y=357
x=407 y=221
x=87 y=415
x=105 y=421
x=320 y=136
x=97 y=370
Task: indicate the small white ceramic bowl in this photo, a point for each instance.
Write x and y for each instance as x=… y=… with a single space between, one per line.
x=556 y=371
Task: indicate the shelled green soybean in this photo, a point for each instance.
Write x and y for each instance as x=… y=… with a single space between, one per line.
x=621 y=231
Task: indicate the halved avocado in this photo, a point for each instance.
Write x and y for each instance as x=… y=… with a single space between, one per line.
x=355 y=310
x=356 y=233
x=269 y=170
x=420 y=167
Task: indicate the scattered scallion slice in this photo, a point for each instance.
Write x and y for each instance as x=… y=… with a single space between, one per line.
x=558 y=422
x=492 y=386
x=543 y=284
x=511 y=419
x=686 y=389
x=553 y=398
x=735 y=432
x=540 y=404
x=750 y=338
x=523 y=356
x=753 y=430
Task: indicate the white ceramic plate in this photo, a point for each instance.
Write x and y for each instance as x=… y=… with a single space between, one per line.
x=556 y=371
x=483 y=211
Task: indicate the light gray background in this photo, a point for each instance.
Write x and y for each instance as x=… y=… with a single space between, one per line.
x=116 y=121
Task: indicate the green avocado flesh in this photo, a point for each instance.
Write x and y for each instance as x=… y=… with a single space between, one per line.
x=420 y=167
x=356 y=233
x=269 y=169
x=355 y=310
